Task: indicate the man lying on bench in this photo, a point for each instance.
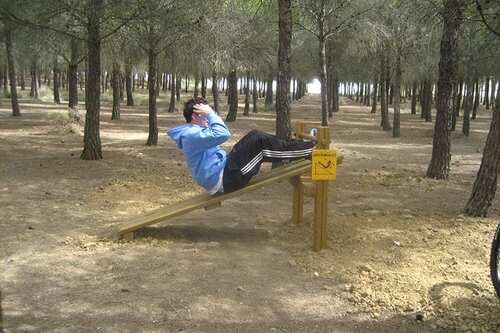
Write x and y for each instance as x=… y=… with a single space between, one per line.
x=214 y=169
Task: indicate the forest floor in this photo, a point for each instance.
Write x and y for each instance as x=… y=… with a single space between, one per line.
x=401 y=257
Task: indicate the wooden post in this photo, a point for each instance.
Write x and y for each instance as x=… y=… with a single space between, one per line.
x=321 y=197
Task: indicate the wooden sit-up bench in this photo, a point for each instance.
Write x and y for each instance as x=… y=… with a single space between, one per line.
x=292 y=172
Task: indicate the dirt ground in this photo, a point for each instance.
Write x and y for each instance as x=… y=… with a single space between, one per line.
x=401 y=258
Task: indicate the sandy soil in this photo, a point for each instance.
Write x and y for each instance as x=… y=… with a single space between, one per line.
x=400 y=256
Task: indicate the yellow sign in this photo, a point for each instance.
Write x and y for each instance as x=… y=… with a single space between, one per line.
x=324 y=164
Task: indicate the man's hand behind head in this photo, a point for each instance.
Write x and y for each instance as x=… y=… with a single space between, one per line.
x=202 y=109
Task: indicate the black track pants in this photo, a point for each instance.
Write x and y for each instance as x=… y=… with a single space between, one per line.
x=244 y=160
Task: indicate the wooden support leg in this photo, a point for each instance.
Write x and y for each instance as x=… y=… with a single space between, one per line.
x=298 y=201
x=324 y=215
x=320 y=215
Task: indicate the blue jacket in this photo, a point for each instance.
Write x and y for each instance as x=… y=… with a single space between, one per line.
x=200 y=145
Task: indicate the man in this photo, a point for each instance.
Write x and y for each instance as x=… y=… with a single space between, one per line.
x=209 y=164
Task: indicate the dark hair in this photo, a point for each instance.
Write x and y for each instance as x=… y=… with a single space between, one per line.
x=188 y=107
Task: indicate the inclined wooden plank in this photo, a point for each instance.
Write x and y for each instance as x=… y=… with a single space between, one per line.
x=203 y=200
x=204 y=196
x=170 y=211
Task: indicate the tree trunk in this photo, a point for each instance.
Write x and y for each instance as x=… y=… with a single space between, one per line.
x=178 y=88
x=439 y=166
x=476 y=99
x=56 y=77
x=196 y=91
x=215 y=92
x=246 y=111
x=397 y=96
x=322 y=76
x=283 y=122
x=34 y=83
x=414 y=97
x=171 y=105
x=374 y=95
x=106 y=81
x=454 y=98
x=121 y=82
x=203 y=85
x=73 y=74
x=187 y=83
x=232 y=87
x=269 y=93
x=487 y=93
x=12 y=70
x=115 y=85
x=366 y=102
x=485 y=185
x=23 y=82
x=128 y=85
x=384 y=108
x=91 y=139
x=427 y=100
x=336 y=105
x=391 y=94
x=492 y=96
x=467 y=109
x=329 y=95
x=255 y=96
x=153 y=121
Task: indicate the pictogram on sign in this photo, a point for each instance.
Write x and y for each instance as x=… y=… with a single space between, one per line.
x=324 y=164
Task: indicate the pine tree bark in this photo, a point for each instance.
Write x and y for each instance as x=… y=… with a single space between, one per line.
x=485 y=185
x=255 y=96
x=269 y=93
x=329 y=95
x=246 y=110
x=178 y=88
x=56 y=72
x=374 y=95
x=322 y=76
x=196 y=91
x=492 y=96
x=487 y=93
x=23 y=81
x=73 y=74
x=128 y=85
x=11 y=68
x=414 y=97
x=34 y=83
x=171 y=105
x=427 y=100
x=384 y=108
x=91 y=138
x=439 y=166
x=476 y=99
x=283 y=122
x=153 y=118
x=203 y=85
x=454 y=99
x=468 y=100
x=232 y=87
x=115 y=85
x=215 y=91
x=397 y=96
x=336 y=106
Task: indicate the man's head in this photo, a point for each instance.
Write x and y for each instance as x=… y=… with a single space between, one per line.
x=189 y=106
